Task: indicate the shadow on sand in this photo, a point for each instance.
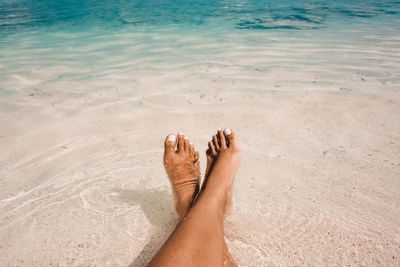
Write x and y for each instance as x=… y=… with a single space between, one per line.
x=158 y=209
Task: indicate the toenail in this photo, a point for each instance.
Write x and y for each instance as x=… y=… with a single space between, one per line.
x=190 y=143
x=227 y=131
x=186 y=138
x=219 y=129
x=172 y=138
x=180 y=134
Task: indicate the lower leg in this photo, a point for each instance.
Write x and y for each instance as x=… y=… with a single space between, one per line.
x=199 y=237
x=198 y=240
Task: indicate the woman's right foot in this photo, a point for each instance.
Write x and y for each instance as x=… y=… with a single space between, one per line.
x=223 y=161
x=181 y=162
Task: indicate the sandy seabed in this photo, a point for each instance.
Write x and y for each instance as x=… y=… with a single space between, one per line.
x=81 y=179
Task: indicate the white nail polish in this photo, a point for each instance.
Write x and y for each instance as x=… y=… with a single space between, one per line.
x=186 y=138
x=172 y=138
x=180 y=134
x=227 y=131
x=219 y=129
x=190 y=143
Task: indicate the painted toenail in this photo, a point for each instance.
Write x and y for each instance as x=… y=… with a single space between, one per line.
x=227 y=131
x=186 y=138
x=190 y=143
x=219 y=129
x=180 y=134
x=172 y=138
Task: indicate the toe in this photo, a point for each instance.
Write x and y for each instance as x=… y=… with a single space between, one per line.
x=196 y=156
x=181 y=142
x=215 y=142
x=222 y=139
x=212 y=148
x=191 y=148
x=208 y=153
x=230 y=136
x=209 y=161
x=186 y=144
x=170 y=143
x=197 y=173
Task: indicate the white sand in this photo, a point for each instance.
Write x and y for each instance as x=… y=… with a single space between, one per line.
x=81 y=179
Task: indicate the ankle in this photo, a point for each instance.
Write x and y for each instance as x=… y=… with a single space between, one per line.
x=216 y=197
x=183 y=199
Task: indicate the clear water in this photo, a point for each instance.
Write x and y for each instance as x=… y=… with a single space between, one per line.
x=85 y=100
x=44 y=42
x=24 y=17
x=93 y=37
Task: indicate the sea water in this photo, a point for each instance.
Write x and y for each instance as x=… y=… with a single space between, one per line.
x=89 y=89
x=45 y=42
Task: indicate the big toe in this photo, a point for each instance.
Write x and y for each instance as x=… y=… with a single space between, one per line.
x=231 y=137
x=169 y=144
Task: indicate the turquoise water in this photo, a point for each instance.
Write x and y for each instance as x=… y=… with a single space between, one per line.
x=24 y=17
x=45 y=42
x=89 y=89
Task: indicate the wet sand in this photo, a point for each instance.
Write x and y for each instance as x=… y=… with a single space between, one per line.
x=81 y=177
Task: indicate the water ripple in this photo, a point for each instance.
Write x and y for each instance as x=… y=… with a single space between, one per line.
x=23 y=17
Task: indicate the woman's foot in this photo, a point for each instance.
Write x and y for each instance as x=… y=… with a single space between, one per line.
x=223 y=161
x=181 y=162
x=215 y=146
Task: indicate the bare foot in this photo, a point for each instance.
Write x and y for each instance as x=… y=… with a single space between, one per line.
x=223 y=161
x=181 y=162
x=210 y=157
x=224 y=148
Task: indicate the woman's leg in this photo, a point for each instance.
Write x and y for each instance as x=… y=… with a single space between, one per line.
x=212 y=154
x=198 y=239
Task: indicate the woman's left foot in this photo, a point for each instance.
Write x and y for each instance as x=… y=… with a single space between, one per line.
x=223 y=150
x=212 y=154
x=181 y=162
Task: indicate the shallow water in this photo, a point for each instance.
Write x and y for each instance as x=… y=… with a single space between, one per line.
x=85 y=40
x=25 y=16
x=89 y=89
